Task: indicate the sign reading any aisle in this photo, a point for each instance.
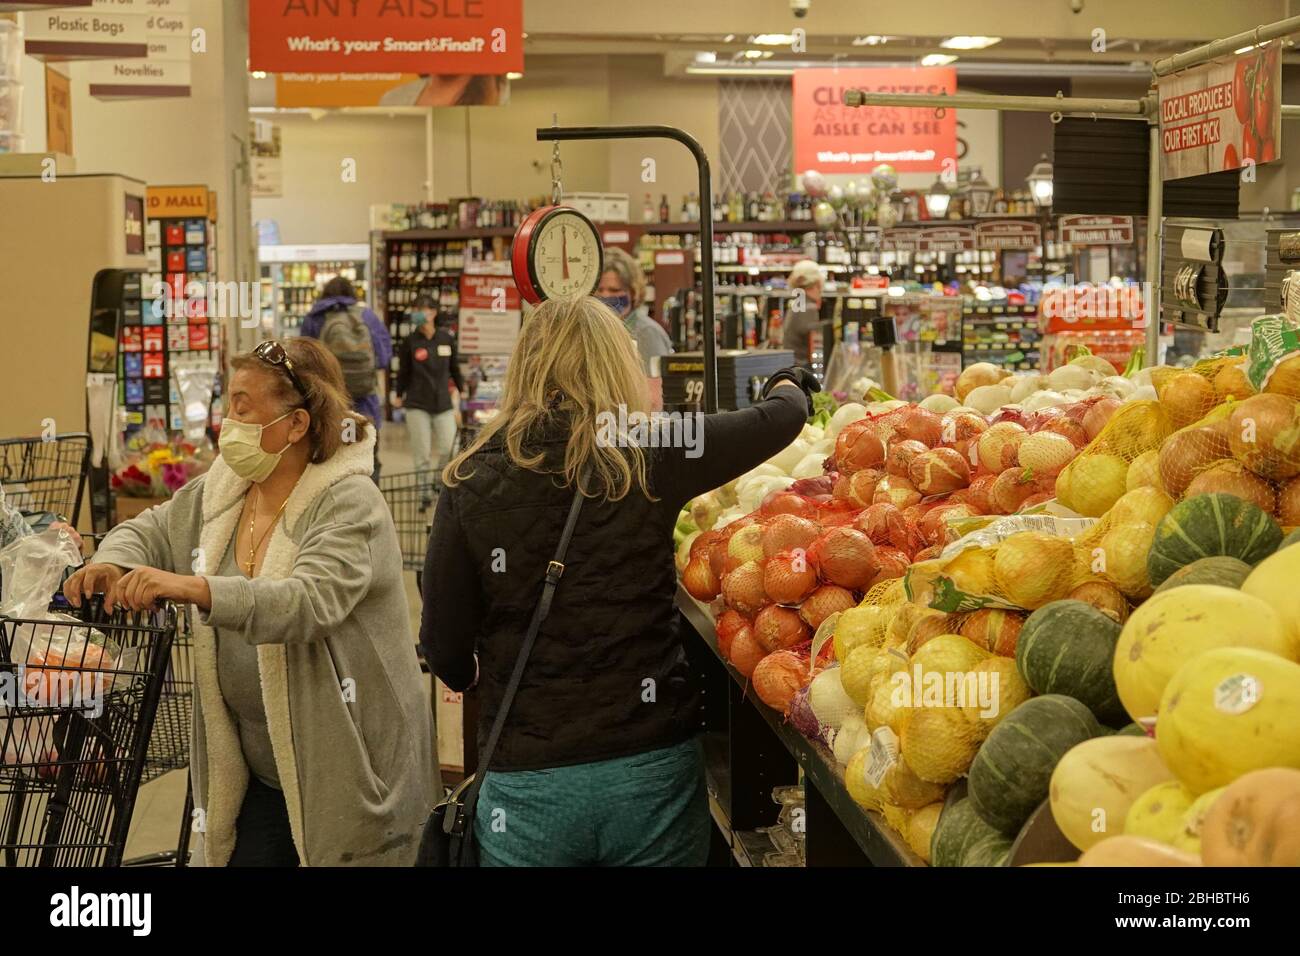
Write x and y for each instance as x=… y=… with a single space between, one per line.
x=176 y=202
x=489 y=309
x=1008 y=234
x=1096 y=230
x=393 y=36
x=1222 y=115
x=833 y=138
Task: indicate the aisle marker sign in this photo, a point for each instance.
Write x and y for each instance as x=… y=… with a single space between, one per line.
x=165 y=71
x=393 y=36
x=1222 y=115
x=833 y=138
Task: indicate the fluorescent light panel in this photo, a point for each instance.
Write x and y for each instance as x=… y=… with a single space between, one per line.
x=969 y=43
x=937 y=59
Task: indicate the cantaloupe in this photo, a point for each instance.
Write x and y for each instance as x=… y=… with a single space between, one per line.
x=1136 y=851
x=1227 y=712
x=1255 y=821
x=1098 y=781
x=1158 y=813
x=1276 y=582
x=1174 y=626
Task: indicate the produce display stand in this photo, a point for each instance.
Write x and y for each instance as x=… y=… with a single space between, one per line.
x=751 y=749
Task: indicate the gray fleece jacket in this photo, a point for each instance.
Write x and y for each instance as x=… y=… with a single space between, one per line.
x=346 y=706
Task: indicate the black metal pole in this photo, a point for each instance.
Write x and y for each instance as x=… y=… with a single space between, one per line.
x=565 y=133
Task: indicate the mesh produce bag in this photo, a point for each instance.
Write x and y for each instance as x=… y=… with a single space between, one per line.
x=1095 y=480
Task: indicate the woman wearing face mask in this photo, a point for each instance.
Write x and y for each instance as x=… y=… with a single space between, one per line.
x=429 y=364
x=310 y=738
x=622 y=288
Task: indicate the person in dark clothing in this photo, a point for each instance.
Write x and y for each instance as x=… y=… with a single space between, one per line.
x=804 y=317
x=428 y=365
x=339 y=295
x=599 y=761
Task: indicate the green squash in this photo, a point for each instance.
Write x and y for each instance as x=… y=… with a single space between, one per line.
x=1292 y=538
x=989 y=849
x=1012 y=771
x=1068 y=647
x=959 y=831
x=1131 y=730
x=1203 y=526
x=1221 y=570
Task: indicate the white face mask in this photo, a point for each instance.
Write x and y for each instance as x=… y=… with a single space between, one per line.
x=241 y=447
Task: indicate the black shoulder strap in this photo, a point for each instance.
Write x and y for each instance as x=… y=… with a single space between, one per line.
x=553 y=572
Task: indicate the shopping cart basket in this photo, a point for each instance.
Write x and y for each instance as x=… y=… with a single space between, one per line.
x=74 y=738
x=45 y=475
x=411 y=497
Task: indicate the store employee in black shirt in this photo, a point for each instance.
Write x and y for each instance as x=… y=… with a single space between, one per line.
x=429 y=363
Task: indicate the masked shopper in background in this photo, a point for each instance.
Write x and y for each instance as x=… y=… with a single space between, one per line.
x=428 y=366
x=360 y=342
x=599 y=761
x=311 y=736
x=622 y=288
x=804 y=317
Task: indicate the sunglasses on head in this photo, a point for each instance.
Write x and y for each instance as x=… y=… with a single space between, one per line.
x=273 y=354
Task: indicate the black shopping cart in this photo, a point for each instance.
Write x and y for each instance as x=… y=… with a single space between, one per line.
x=411 y=497
x=45 y=476
x=74 y=738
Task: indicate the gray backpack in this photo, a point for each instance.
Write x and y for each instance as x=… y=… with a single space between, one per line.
x=346 y=334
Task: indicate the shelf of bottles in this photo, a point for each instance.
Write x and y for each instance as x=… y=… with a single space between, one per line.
x=297 y=286
x=1001 y=333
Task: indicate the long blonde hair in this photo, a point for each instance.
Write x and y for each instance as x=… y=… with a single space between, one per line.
x=573 y=358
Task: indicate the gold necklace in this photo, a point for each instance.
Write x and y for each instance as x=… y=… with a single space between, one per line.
x=253 y=541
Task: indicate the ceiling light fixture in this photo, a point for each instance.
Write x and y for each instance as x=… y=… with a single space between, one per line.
x=514 y=76
x=872 y=40
x=757 y=54
x=937 y=59
x=773 y=39
x=728 y=38
x=969 y=43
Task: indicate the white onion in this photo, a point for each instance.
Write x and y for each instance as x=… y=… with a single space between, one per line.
x=831 y=705
x=824 y=447
x=1040 y=400
x=938 y=403
x=853 y=736
x=728 y=516
x=1143 y=393
x=844 y=415
x=1117 y=385
x=811 y=433
x=987 y=399
x=752 y=495
x=790 y=455
x=810 y=466
x=1071 y=376
x=1026 y=385
x=1142 y=376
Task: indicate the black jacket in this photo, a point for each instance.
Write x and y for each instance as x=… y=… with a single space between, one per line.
x=613 y=625
x=425 y=368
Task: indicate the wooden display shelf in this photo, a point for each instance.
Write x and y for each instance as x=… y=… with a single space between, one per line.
x=839 y=831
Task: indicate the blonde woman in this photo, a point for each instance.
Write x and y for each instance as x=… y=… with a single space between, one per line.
x=311 y=739
x=598 y=762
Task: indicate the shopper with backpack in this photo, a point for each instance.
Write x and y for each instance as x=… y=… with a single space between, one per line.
x=359 y=340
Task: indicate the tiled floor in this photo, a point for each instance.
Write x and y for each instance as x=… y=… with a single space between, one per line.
x=155 y=826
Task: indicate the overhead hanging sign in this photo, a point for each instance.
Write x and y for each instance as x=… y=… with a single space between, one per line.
x=164 y=71
x=833 y=138
x=82 y=34
x=1008 y=234
x=946 y=239
x=1095 y=230
x=1222 y=115
x=394 y=36
x=177 y=202
x=389 y=89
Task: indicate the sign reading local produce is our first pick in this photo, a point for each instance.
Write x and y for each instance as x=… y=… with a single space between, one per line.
x=1222 y=115
x=390 y=36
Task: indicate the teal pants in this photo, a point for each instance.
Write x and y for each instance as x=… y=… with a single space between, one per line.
x=649 y=809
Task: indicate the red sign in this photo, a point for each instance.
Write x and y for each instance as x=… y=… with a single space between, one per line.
x=1096 y=230
x=1085 y=307
x=833 y=138
x=428 y=37
x=1221 y=115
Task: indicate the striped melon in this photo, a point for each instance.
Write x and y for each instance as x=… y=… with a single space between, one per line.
x=1067 y=647
x=1010 y=775
x=1158 y=813
x=1098 y=781
x=1211 y=524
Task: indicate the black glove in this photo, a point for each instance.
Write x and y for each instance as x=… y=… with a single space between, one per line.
x=800 y=376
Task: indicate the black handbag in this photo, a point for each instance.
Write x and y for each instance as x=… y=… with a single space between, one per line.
x=448 y=838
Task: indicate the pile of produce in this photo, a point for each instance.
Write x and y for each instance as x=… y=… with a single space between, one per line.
x=1074 y=591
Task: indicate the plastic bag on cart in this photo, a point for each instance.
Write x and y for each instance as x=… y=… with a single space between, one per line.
x=58 y=654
